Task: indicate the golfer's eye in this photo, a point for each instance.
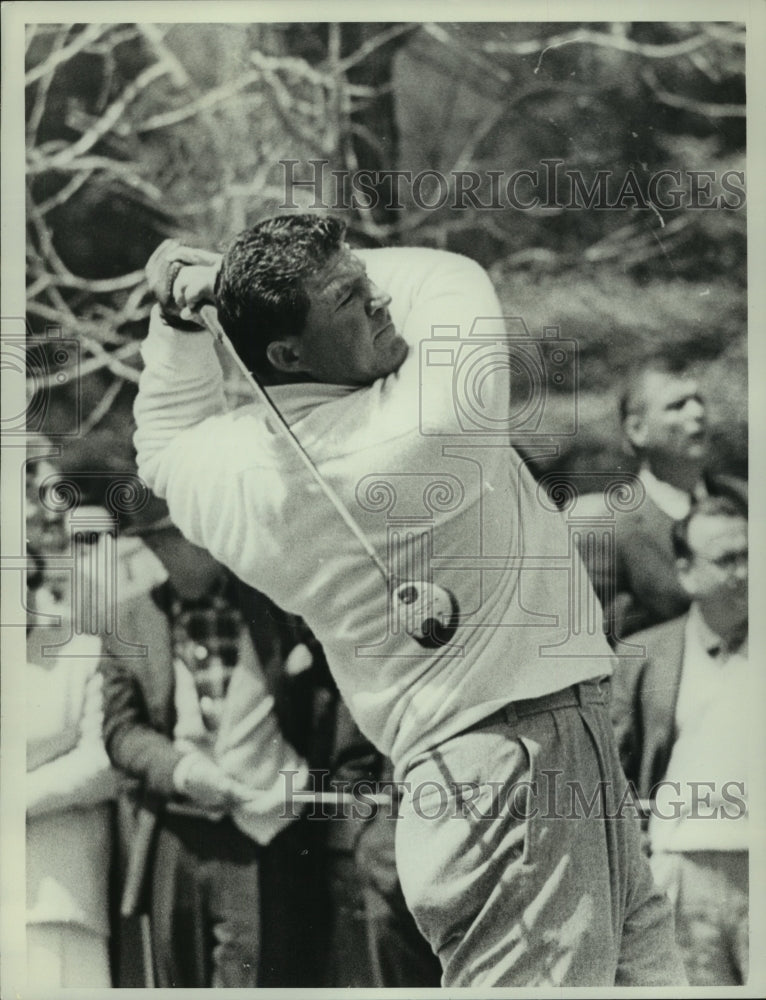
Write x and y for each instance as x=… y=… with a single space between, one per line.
x=353 y=292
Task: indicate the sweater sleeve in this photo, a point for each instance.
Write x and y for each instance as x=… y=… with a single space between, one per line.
x=180 y=387
x=447 y=310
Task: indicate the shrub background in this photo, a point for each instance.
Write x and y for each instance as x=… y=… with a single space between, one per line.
x=137 y=132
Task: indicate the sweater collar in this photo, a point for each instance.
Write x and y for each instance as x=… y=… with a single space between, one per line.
x=296 y=400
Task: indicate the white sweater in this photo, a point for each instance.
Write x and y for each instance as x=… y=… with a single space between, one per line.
x=396 y=455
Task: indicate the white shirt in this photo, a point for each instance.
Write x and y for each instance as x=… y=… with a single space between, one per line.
x=248 y=744
x=670 y=499
x=428 y=495
x=709 y=759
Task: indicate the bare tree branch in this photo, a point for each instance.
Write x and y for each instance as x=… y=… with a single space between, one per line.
x=670 y=50
x=203 y=103
x=66 y=192
x=30 y=35
x=441 y=34
x=371 y=44
x=41 y=95
x=89 y=34
x=627 y=239
x=356 y=128
x=286 y=105
x=106 y=122
x=467 y=153
x=43 y=311
x=156 y=41
x=102 y=359
x=289 y=64
x=112 y=360
x=371 y=93
x=95 y=285
x=62 y=276
x=731 y=35
x=101 y=408
x=115 y=37
x=705 y=108
x=48 y=251
x=121 y=170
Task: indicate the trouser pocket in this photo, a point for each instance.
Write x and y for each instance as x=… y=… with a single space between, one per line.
x=466 y=822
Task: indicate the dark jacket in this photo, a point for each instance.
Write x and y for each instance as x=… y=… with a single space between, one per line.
x=139 y=709
x=643 y=704
x=139 y=719
x=140 y=715
x=641 y=588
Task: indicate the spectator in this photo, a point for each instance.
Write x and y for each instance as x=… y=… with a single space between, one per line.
x=370 y=939
x=664 y=423
x=192 y=723
x=69 y=786
x=678 y=719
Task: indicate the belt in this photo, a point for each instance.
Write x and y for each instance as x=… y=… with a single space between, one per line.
x=592 y=692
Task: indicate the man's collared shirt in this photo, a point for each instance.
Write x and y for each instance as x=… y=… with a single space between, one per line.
x=709 y=762
x=670 y=499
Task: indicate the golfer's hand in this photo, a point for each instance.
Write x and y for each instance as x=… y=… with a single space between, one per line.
x=193 y=287
x=164 y=268
x=202 y=781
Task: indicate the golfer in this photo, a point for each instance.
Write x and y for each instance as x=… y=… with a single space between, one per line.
x=391 y=366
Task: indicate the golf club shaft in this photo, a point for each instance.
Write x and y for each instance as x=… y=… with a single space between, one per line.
x=209 y=315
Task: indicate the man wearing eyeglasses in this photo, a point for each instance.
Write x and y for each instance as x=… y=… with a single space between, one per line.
x=678 y=716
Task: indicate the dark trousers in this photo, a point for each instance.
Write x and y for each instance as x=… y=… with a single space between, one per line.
x=399 y=955
x=205 y=904
x=371 y=939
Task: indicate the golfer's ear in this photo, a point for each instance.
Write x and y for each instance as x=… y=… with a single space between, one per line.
x=283 y=357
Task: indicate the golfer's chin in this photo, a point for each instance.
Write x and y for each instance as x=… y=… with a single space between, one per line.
x=394 y=350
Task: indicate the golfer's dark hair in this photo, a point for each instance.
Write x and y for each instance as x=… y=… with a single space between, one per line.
x=260 y=290
x=712 y=506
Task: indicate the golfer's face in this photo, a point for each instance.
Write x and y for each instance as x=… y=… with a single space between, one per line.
x=348 y=338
